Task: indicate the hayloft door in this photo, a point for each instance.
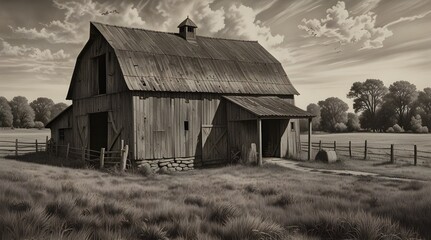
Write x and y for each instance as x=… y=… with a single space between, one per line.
x=214 y=144
x=98 y=131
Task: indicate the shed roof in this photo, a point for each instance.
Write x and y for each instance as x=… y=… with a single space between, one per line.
x=48 y=124
x=269 y=106
x=162 y=61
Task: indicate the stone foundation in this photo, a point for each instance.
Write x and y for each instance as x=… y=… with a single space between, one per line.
x=177 y=164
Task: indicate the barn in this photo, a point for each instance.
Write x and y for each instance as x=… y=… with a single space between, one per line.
x=179 y=96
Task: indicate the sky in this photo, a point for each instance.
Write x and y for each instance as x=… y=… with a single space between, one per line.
x=324 y=45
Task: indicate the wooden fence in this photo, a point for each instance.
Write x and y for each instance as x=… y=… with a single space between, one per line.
x=391 y=153
x=22 y=147
x=101 y=158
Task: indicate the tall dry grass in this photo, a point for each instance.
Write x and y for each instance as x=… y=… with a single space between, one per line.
x=236 y=202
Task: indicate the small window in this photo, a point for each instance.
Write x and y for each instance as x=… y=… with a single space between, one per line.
x=61 y=134
x=190 y=29
x=101 y=67
x=292 y=126
x=186 y=125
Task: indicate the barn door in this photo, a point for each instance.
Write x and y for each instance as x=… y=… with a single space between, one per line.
x=214 y=144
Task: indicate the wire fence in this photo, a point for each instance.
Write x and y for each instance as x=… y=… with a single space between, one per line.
x=409 y=154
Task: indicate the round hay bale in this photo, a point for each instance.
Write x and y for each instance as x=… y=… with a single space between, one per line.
x=326 y=155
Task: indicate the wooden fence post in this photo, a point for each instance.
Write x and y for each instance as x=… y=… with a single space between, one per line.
x=320 y=144
x=122 y=144
x=366 y=150
x=36 y=146
x=416 y=154
x=16 y=147
x=335 y=145
x=350 y=149
x=67 y=151
x=392 y=153
x=124 y=153
x=102 y=157
x=46 y=144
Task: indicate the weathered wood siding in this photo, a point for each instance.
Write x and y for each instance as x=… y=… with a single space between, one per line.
x=159 y=124
x=120 y=119
x=65 y=122
x=85 y=79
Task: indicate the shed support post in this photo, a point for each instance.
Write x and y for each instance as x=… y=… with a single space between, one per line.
x=310 y=129
x=124 y=153
x=259 y=133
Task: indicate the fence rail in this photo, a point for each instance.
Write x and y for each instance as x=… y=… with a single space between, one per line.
x=102 y=158
x=391 y=153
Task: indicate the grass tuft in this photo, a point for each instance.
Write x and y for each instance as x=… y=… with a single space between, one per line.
x=252 y=228
x=151 y=232
x=196 y=200
x=19 y=207
x=222 y=213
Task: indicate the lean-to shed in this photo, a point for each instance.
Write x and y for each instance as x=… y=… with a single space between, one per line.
x=181 y=96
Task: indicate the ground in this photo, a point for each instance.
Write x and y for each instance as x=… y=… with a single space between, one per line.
x=42 y=197
x=233 y=202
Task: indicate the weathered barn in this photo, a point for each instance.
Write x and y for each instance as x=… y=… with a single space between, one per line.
x=176 y=96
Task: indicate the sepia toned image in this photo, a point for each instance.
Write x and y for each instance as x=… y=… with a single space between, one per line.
x=215 y=119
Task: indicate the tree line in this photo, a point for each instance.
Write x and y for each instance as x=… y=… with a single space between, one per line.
x=19 y=113
x=377 y=108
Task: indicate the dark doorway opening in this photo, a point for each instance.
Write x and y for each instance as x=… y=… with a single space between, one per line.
x=272 y=131
x=98 y=131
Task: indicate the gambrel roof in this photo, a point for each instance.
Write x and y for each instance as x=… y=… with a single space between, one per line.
x=165 y=62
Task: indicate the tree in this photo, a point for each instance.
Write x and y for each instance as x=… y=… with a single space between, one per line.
x=368 y=97
x=424 y=104
x=416 y=123
x=353 y=123
x=315 y=110
x=401 y=97
x=6 y=117
x=385 y=118
x=333 y=111
x=57 y=109
x=42 y=109
x=23 y=114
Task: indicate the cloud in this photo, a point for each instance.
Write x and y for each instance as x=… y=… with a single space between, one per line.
x=341 y=27
x=408 y=19
x=31 y=52
x=73 y=28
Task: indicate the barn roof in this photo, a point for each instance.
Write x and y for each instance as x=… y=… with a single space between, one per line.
x=269 y=106
x=162 y=61
x=187 y=22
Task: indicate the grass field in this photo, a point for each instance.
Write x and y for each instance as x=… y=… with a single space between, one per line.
x=423 y=141
x=24 y=135
x=235 y=202
x=39 y=200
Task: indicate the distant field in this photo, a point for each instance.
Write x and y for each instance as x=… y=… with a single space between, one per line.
x=423 y=141
x=379 y=145
x=25 y=135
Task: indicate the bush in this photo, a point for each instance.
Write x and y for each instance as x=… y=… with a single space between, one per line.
x=38 y=125
x=146 y=170
x=424 y=129
x=398 y=129
x=340 y=127
x=390 y=130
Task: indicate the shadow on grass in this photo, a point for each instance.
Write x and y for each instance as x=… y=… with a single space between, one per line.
x=47 y=159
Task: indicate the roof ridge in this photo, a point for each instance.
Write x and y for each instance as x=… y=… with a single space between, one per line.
x=173 y=33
